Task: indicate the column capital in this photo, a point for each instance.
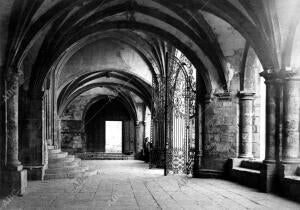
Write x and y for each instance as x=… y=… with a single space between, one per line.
x=223 y=96
x=246 y=95
x=14 y=73
x=289 y=74
x=269 y=74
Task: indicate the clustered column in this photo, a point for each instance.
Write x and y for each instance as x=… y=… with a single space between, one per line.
x=246 y=124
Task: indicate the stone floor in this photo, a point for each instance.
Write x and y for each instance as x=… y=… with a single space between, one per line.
x=131 y=185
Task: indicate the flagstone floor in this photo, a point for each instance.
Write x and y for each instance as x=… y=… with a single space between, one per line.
x=131 y=185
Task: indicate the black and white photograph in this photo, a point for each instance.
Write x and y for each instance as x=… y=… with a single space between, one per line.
x=149 y=104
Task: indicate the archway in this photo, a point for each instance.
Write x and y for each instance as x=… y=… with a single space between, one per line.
x=96 y=120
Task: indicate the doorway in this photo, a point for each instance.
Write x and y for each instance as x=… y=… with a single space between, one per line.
x=113 y=136
x=109 y=127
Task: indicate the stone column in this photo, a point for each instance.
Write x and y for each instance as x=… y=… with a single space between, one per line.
x=273 y=87
x=12 y=134
x=140 y=135
x=291 y=113
x=246 y=124
x=269 y=176
x=198 y=139
x=14 y=178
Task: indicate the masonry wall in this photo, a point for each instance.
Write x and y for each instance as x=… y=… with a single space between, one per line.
x=220 y=140
x=73 y=137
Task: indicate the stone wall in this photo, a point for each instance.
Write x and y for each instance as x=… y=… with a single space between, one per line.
x=72 y=135
x=71 y=125
x=220 y=132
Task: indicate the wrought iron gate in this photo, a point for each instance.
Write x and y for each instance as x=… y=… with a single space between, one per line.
x=170 y=133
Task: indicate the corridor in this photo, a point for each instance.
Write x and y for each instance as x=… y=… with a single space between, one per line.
x=131 y=185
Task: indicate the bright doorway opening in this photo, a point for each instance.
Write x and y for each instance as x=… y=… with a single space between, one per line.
x=113 y=136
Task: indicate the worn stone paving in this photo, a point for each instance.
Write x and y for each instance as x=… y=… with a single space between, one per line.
x=131 y=185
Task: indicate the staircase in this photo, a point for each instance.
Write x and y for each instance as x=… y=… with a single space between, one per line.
x=104 y=156
x=61 y=165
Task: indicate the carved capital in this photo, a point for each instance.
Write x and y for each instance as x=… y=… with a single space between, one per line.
x=269 y=74
x=14 y=73
x=223 y=96
x=246 y=95
x=289 y=74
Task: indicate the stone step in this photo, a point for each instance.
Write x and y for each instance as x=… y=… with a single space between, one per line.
x=90 y=172
x=66 y=170
x=107 y=158
x=69 y=158
x=54 y=151
x=66 y=163
x=50 y=147
x=104 y=156
x=57 y=155
x=61 y=165
x=70 y=175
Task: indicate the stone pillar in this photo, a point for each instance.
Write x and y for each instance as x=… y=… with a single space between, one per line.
x=273 y=97
x=14 y=178
x=198 y=139
x=140 y=135
x=12 y=120
x=273 y=87
x=246 y=124
x=291 y=113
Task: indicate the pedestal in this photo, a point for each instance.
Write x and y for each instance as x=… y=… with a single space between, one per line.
x=268 y=177
x=13 y=181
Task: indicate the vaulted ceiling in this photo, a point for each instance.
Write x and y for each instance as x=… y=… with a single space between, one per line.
x=42 y=35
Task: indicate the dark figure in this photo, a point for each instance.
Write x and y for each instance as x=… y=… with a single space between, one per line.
x=146 y=149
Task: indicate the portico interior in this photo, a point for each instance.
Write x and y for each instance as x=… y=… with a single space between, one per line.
x=214 y=85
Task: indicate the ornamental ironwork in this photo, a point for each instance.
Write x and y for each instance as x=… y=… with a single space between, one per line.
x=173 y=116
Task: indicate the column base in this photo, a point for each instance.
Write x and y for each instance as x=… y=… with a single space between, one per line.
x=290 y=161
x=269 y=161
x=246 y=156
x=268 y=176
x=13 y=181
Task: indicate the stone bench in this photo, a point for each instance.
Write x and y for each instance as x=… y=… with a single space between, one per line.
x=246 y=172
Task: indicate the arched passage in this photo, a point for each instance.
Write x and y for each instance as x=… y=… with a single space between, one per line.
x=96 y=128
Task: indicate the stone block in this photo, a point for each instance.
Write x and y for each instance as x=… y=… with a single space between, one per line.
x=13 y=181
x=268 y=179
x=35 y=172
